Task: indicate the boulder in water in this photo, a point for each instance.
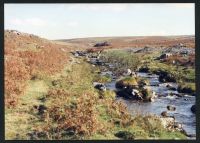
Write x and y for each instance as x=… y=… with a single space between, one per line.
x=126 y=82
x=171 y=108
x=130 y=93
x=147 y=93
x=193 y=109
x=164 y=114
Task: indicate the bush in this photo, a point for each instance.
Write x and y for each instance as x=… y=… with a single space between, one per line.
x=16 y=74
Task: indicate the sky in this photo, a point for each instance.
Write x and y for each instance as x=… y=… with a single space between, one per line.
x=67 y=21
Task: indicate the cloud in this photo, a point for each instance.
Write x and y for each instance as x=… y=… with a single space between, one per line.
x=28 y=21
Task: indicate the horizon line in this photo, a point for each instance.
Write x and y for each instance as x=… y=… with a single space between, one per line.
x=87 y=37
x=125 y=36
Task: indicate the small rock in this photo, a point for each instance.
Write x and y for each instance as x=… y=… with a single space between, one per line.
x=170 y=87
x=151 y=100
x=193 y=109
x=41 y=109
x=55 y=82
x=177 y=125
x=171 y=108
x=100 y=86
x=164 y=114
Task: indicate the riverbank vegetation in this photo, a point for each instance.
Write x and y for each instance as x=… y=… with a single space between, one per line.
x=184 y=76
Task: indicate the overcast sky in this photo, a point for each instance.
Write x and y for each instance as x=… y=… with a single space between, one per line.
x=65 y=21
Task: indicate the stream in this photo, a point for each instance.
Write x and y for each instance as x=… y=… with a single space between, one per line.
x=165 y=97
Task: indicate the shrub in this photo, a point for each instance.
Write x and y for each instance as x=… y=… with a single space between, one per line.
x=16 y=74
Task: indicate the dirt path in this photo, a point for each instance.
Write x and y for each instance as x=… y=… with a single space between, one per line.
x=20 y=120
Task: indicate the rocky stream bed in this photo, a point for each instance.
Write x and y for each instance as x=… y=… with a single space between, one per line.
x=166 y=97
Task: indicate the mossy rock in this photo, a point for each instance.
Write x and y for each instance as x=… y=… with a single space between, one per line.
x=126 y=82
x=125 y=135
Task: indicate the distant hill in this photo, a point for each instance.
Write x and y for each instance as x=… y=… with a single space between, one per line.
x=135 y=41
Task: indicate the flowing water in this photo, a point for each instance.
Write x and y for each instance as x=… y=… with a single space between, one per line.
x=166 y=97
